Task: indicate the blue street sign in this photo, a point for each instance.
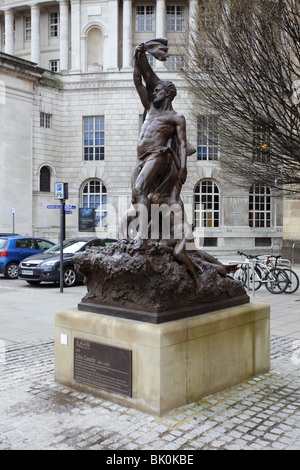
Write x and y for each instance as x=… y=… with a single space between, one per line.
x=69 y=207
x=53 y=206
x=68 y=212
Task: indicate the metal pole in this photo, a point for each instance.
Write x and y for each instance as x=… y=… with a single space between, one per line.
x=62 y=235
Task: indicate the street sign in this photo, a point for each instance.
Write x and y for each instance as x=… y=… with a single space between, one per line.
x=61 y=191
x=69 y=207
x=12 y=210
x=68 y=212
x=53 y=206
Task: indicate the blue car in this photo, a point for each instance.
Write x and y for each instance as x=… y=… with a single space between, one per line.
x=13 y=249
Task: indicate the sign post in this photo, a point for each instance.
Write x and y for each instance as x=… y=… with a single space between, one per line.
x=13 y=210
x=61 y=192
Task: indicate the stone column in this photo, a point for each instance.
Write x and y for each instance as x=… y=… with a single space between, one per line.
x=160 y=28
x=9 y=32
x=127 y=34
x=192 y=24
x=111 y=45
x=160 y=19
x=75 y=35
x=192 y=12
x=35 y=34
x=64 y=34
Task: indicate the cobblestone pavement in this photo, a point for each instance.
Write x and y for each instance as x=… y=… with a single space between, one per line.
x=261 y=413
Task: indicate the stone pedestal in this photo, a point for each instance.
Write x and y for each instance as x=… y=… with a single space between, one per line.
x=168 y=365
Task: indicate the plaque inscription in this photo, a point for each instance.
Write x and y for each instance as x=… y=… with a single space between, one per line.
x=103 y=366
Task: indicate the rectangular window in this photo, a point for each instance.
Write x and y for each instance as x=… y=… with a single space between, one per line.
x=93 y=138
x=261 y=142
x=175 y=18
x=210 y=242
x=206 y=64
x=45 y=120
x=54 y=65
x=208 y=138
x=54 y=24
x=259 y=206
x=144 y=19
x=174 y=62
x=27 y=28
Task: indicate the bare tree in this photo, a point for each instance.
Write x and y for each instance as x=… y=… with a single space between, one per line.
x=244 y=67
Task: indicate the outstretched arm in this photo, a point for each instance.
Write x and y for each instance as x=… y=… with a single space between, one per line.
x=143 y=70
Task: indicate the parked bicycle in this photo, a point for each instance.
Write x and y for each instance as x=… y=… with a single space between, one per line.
x=293 y=279
x=253 y=272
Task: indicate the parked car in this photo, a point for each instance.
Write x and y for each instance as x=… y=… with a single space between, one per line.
x=45 y=267
x=14 y=248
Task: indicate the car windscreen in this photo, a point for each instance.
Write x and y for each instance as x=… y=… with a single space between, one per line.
x=69 y=246
x=3 y=242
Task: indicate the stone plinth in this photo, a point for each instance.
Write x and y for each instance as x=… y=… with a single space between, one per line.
x=174 y=363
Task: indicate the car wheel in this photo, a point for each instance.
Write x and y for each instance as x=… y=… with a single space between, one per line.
x=69 y=277
x=11 y=271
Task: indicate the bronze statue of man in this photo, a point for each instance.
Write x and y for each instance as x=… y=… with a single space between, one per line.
x=161 y=166
x=160 y=170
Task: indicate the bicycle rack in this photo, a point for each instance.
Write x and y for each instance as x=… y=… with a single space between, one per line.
x=250 y=266
x=293 y=253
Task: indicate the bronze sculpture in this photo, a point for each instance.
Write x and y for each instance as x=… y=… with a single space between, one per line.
x=162 y=151
x=146 y=278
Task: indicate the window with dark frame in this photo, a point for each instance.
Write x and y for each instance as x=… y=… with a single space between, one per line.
x=207 y=204
x=261 y=141
x=94 y=196
x=259 y=206
x=54 y=65
x=45 y=120
x=207 y=138
x=45 y=176
x=175 y=18
x=54 y=24
x=144 y=18
x=93 y=138
x=27 y=28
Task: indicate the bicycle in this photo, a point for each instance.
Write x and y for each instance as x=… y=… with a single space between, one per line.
x=293 y=279
x=274 y=278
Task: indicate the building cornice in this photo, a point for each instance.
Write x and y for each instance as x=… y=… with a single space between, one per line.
x=15 y=64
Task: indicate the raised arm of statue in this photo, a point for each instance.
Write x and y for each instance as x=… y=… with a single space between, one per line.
x=142 y=69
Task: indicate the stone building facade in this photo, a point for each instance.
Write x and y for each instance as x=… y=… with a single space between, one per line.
x=70 y=112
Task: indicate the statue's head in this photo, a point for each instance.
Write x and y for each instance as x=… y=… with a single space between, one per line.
x=170 y=87
x=164 y=90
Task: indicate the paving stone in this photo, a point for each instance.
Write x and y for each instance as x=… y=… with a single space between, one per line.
x=36 y=413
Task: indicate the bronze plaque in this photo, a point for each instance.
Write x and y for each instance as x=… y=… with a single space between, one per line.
x=103 y=366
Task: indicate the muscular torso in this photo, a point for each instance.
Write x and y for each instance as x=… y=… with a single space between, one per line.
x=158 y=128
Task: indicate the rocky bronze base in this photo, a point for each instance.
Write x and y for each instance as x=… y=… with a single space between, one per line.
x=146 y=283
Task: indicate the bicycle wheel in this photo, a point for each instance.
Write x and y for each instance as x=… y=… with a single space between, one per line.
x=254 y=279
x=240 y=275
x=293 y=281
x=276 y=281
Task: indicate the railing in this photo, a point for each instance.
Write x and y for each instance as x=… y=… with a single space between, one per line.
x=293 y=253
x=250 y=267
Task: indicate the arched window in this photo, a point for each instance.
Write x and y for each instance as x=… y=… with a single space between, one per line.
x=207 y=204
x=45 y=176
x=259 y=206
x=94 y=195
